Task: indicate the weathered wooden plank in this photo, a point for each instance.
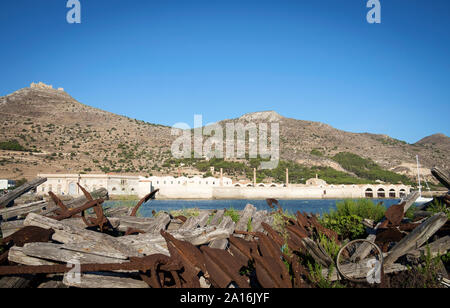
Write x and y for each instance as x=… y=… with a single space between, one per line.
x=363 y=249
x=116 y=212
x=52 y=284
x=174 y=225
x=203 y=219
x=103 y=281
x=217 y=218
x=417 y=237
x=317 y=252
x=16 y=282
x=66 y=233
x=16 y=193
x=246 y=216
x=94 y=248
x=227 y=224
x=195 y=221
x=361 y=269
x=436 y=248
x=160 y=223
x=10 y=212
x=258 y=219
x=10 y=227
x=146 y=243
x=410 y=199
x=17 y=255
x=55 y=252
x=139 y=223
x=443 y=178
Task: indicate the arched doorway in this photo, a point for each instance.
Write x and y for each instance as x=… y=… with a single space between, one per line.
x=369 y=193
x=392 y=193
x=402 y=193
x=381 y=193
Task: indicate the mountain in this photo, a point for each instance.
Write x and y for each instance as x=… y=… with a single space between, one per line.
x=51 y=132
x=69 y=137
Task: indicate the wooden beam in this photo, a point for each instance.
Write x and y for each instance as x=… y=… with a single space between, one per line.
x=15 y=211
x=56 y=252
x=410 y=199
x=443 y=178
x=104 y=281
x=67 y=233
x=10 y=227
x=17 y=255
x=246 y=216
x=16 y=193
x=416 y=238
x=436 y=248
x=360 y=270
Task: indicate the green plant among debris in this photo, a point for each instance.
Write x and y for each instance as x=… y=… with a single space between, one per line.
x=186 y=213
x=249 y=225
x=437 y=206
x=364 y=208
x=330 y=246
x=410 y=213
x=319 y=280
x=429 y=269
x=347 y=219
x=233 y=214
x=346 y=226
x=210 y=218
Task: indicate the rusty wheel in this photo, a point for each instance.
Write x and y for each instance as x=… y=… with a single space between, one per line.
x=360 y=261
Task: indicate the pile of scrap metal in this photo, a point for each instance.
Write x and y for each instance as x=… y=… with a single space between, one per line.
x=65 y=246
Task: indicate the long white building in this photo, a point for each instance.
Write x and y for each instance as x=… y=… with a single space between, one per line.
x=213 y=188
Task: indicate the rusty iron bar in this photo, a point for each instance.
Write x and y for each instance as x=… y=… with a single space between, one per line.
x=190 y=255
x=142 y=201
x=149 y=267
x=29 y=234
x=270 y=203
x=223 y=268
x=62 y=207
x=72 y=212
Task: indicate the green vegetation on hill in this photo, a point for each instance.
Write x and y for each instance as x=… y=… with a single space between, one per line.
x=298 y=174
x=12 y=145
x=368 y=169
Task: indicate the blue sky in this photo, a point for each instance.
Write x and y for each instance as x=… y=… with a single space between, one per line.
x=164 y=61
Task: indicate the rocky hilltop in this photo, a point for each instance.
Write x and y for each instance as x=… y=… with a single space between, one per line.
x=52 y=132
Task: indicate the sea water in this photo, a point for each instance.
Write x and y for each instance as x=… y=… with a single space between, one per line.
x=292 y=206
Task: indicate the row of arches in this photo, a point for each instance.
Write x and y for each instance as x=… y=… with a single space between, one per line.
x=384 y=193
x=258 y=185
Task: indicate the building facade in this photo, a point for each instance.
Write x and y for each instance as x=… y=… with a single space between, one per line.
x=7 y=184
x=212 y=188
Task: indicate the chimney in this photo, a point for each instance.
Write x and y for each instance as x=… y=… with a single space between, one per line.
x=287 y=177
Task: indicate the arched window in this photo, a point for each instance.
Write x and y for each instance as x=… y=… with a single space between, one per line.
x=392 y=193
x=381 y=193
x=369 y=193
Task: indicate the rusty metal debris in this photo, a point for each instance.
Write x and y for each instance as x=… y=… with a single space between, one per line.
x=29 y=234
x=394 y=215
x=271 y=202
x=277 y=257
x=142 y=201
x=223 y=268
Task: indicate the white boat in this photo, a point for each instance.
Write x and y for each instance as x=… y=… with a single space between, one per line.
x=421 y=200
